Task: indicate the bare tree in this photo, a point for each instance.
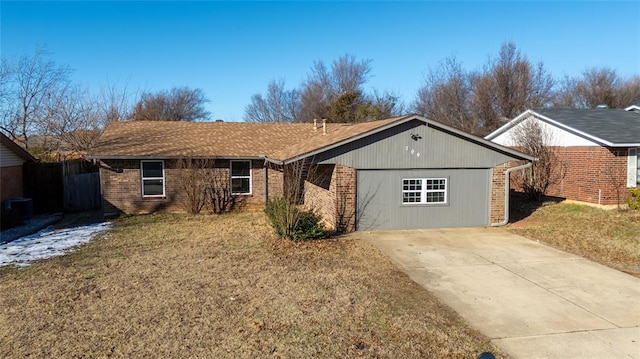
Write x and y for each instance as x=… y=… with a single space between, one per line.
x=324 y=87
x=114 y=104
x=629 y=92
x=220 y=197
x=531 y=138
x=335 y=93
x=28 y=84
x=565 y=95
x=385 y=104
x=277 y=105
x=445 y=96
x=177 y=104
x=483 y=102
x=192 y=176
x=74 y=123
x=519 y=84
x=598 y=86
x=479 y=102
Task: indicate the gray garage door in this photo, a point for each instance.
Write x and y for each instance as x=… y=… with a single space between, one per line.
x=409 y=199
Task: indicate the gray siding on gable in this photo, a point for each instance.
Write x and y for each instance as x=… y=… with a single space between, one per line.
x=9 y=158
x=395 y=149
x=380 y=207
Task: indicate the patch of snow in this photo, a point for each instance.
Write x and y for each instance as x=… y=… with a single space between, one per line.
x=30 y=226
x=48 y=243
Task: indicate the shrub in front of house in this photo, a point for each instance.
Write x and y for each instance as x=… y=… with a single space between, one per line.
x=291 y=222
x=634 y=198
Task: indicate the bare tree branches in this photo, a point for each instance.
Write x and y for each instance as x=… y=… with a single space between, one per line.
x=323 y=88
x=598 y=86
x=177 y=104
x=202 y=184
x=277 y=105
x=28 y=84
x=336 y=94
x=446 y=96
x=192 y=177
x=114 y=104
x=480 y=102
x=531 y=138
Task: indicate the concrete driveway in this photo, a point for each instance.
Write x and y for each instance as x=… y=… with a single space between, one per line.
x=532 y=300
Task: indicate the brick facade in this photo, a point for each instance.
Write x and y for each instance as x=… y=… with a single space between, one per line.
x=593 y=174
x=498 y=192
x=11 y=182
x=331 y=191
x=121 y=184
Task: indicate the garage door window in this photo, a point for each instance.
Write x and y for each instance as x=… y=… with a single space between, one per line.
x=424 y=191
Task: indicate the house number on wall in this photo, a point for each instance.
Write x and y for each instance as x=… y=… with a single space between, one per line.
x=413 y=152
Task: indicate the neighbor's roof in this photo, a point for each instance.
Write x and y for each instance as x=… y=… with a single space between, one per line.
x=282 y=142
x=15 y=148
x=610 y=127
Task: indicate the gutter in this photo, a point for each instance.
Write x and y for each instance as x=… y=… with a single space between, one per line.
x=506 y=193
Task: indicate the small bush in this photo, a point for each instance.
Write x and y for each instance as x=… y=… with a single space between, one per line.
x=276 y=212
x=291 y=222
x=309 y=227
x=634 y=198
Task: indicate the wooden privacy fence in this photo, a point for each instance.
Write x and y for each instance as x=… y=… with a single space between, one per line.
x=82 y=192
x=69 y=186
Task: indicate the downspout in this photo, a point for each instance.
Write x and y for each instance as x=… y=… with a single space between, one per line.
x=506 y=193
x=266 y=182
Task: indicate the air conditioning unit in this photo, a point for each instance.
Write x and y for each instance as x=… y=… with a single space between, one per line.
x=23 y=206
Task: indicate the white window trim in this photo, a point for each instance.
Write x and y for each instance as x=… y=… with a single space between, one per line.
x=143 y=178
x=633 y=158
x=424 y=191
x=250 y=177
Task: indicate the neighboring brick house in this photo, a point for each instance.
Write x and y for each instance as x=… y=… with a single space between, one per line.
x=599 y=150
x=12 y=160
x=402 y=172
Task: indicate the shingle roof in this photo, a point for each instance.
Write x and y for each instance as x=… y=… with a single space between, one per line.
x=280 y=141
x=613 y=126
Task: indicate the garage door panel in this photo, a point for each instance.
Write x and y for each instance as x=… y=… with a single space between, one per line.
x=380 y=200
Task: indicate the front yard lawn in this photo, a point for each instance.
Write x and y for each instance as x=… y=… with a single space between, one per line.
x=610 y=237
x=223 y=287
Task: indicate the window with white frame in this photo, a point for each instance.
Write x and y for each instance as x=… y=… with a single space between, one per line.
x=240 y=177
x=152 y=178
x=424 y=191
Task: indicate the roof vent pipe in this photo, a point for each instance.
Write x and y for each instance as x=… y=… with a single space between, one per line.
x=315 y=124
x=324 y=126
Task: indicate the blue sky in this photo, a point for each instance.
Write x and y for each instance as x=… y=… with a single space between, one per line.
x=231 y=50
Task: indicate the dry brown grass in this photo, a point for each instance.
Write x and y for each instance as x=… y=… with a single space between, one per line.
x=610 y=237
x=223 y=286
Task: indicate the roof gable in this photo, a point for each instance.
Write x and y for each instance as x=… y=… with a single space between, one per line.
x=635 y=108
x=608 y=127
x=417 y=144
x=16 y=149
